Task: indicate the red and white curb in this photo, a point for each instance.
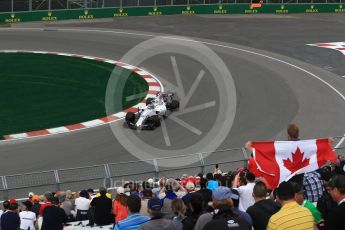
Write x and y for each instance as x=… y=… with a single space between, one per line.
x=155 y=86
x=339 y=46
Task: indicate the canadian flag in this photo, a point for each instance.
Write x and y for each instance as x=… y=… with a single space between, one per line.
x=278 y=161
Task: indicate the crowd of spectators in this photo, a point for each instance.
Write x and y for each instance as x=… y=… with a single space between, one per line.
x=233 y=200
x=217 y=200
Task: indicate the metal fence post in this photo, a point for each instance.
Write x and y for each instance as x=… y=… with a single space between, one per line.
x=202 y=163
x=30 y=5
x=155 y=163
x=49 y=5
x=4 y=185
x=245 y=157
x=107 y=178
x=57 y=180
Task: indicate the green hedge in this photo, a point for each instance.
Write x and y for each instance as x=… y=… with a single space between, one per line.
x=169 y=10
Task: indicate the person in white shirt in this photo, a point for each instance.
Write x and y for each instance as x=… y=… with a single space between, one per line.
x=217 y=170
x=246 y=192
x=27 y=217
x=82 y=205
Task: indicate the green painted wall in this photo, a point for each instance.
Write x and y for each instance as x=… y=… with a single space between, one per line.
x=169 y=10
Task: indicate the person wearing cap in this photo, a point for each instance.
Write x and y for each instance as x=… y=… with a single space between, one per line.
x=102 y=208
x=299 y=197
x=54 y=217
x=10 y=219
x=119 y=205
x=30 y=195
x=27 y=217
x=221 y=196
x=225 y=181
x=243 y=215
x=291 y=215
x=337 y=191
x=36 y=205
x=263 y=208
x=134 y=219
x=157 y=222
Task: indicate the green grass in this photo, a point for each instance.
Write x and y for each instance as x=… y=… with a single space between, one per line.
x=40 y=91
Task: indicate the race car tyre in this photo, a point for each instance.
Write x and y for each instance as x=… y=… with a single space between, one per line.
x=156 y=121
x=153 y=122
x=174 y=105
x=130 y=117
x=149 y=100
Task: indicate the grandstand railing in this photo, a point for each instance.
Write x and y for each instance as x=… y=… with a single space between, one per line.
x=35 y=5
x=114 y=174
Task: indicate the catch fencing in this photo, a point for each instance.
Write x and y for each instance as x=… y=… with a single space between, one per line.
x=114 y=174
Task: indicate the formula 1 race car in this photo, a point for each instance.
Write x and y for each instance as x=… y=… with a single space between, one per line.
x=156 y=109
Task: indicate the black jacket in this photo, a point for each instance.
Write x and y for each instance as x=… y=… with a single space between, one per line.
x=261 y=213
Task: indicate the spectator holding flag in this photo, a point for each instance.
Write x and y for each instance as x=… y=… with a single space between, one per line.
x=279 y=161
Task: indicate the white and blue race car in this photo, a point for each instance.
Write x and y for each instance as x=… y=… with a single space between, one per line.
x=156 y=109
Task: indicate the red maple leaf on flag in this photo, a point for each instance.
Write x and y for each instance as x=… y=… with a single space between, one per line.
x=296 y=162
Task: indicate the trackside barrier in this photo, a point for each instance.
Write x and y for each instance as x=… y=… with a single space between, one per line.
x=98 y=13
x=114 y=174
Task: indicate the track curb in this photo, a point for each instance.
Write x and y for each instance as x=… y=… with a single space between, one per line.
x=155 y=86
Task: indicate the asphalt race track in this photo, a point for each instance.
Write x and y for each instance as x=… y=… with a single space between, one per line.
x=277 y=78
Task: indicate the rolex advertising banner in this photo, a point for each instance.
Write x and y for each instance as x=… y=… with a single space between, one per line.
x=90 y=14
